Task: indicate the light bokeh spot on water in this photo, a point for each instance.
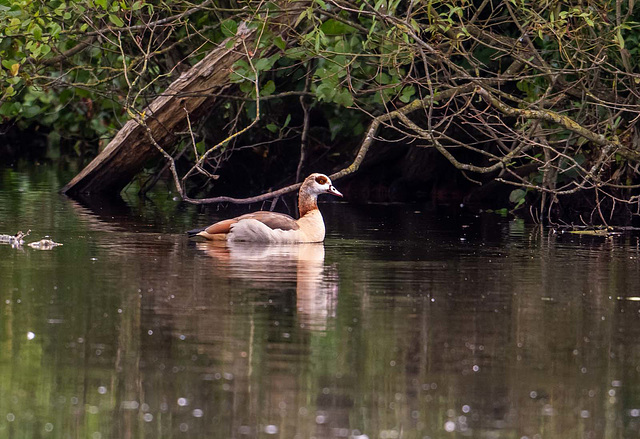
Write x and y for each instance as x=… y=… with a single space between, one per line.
x=407 y=322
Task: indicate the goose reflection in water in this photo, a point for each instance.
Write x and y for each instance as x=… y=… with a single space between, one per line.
x=271 y=266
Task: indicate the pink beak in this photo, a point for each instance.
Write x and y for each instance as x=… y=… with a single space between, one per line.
x=333 y=191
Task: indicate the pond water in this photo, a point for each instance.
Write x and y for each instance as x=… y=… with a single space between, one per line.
x=407 y=322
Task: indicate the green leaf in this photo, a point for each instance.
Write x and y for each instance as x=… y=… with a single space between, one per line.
x=517 y=195
x=384 y=79
x=35 y=50
x=280 y=43
x=102 y=3
x=297 y=53
x=308 y=13
x=620 y=39
x=251 y=110
x=343 y=98
x=8 y=109
x=273 y=127
x=407 y=94
x=262 y=64
x=31 y=111
x=54 y=29
x=116 y=20
x=15 y=23
x=8 y=63
x=241 y=71
x=229 y=28
x=335 y=27
x=287 y=120
x=37 y=32
x=325 y=92
x=247 y=87
x=268 y=88
x=235 y=78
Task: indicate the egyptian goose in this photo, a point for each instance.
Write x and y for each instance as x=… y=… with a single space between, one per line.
x=271 y=227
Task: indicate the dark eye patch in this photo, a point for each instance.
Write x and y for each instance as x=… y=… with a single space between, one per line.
x=321 y=179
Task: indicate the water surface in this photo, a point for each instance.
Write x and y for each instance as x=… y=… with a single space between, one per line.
x=406 y=323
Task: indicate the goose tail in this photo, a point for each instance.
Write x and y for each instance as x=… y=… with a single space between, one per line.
x=194 y=232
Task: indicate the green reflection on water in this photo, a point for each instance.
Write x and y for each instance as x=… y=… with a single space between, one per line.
x=402 y=324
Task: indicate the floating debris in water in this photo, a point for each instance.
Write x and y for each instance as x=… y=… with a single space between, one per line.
x=607 y=231
x=597 y=232
x=15 y=240
x=44 y=244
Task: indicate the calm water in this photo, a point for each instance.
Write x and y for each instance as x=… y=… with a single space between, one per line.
x=406 y=323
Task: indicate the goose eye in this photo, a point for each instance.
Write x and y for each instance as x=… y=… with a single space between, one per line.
x=321 y=179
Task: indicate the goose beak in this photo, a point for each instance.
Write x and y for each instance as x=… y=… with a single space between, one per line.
x=333 y=191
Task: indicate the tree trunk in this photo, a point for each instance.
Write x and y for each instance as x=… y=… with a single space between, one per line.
x=194 y=91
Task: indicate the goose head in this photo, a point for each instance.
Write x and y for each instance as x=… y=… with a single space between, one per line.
x=317 y=184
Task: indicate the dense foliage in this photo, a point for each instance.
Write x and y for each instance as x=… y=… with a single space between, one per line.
x=538 y=95
x=75 y=65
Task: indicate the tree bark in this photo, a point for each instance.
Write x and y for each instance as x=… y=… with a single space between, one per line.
x=194 y=92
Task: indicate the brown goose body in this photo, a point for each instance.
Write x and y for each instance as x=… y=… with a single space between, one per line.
x=271 y=227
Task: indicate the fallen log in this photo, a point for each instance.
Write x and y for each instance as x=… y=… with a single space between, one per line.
x=193 y=93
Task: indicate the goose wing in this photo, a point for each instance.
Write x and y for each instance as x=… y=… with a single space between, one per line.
x=272 y=220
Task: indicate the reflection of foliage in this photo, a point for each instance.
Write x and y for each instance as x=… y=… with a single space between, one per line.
x=558 y=81
x=125 y=328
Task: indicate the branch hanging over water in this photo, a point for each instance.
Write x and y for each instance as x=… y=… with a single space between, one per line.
x=564 y=121
x=354 y=166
